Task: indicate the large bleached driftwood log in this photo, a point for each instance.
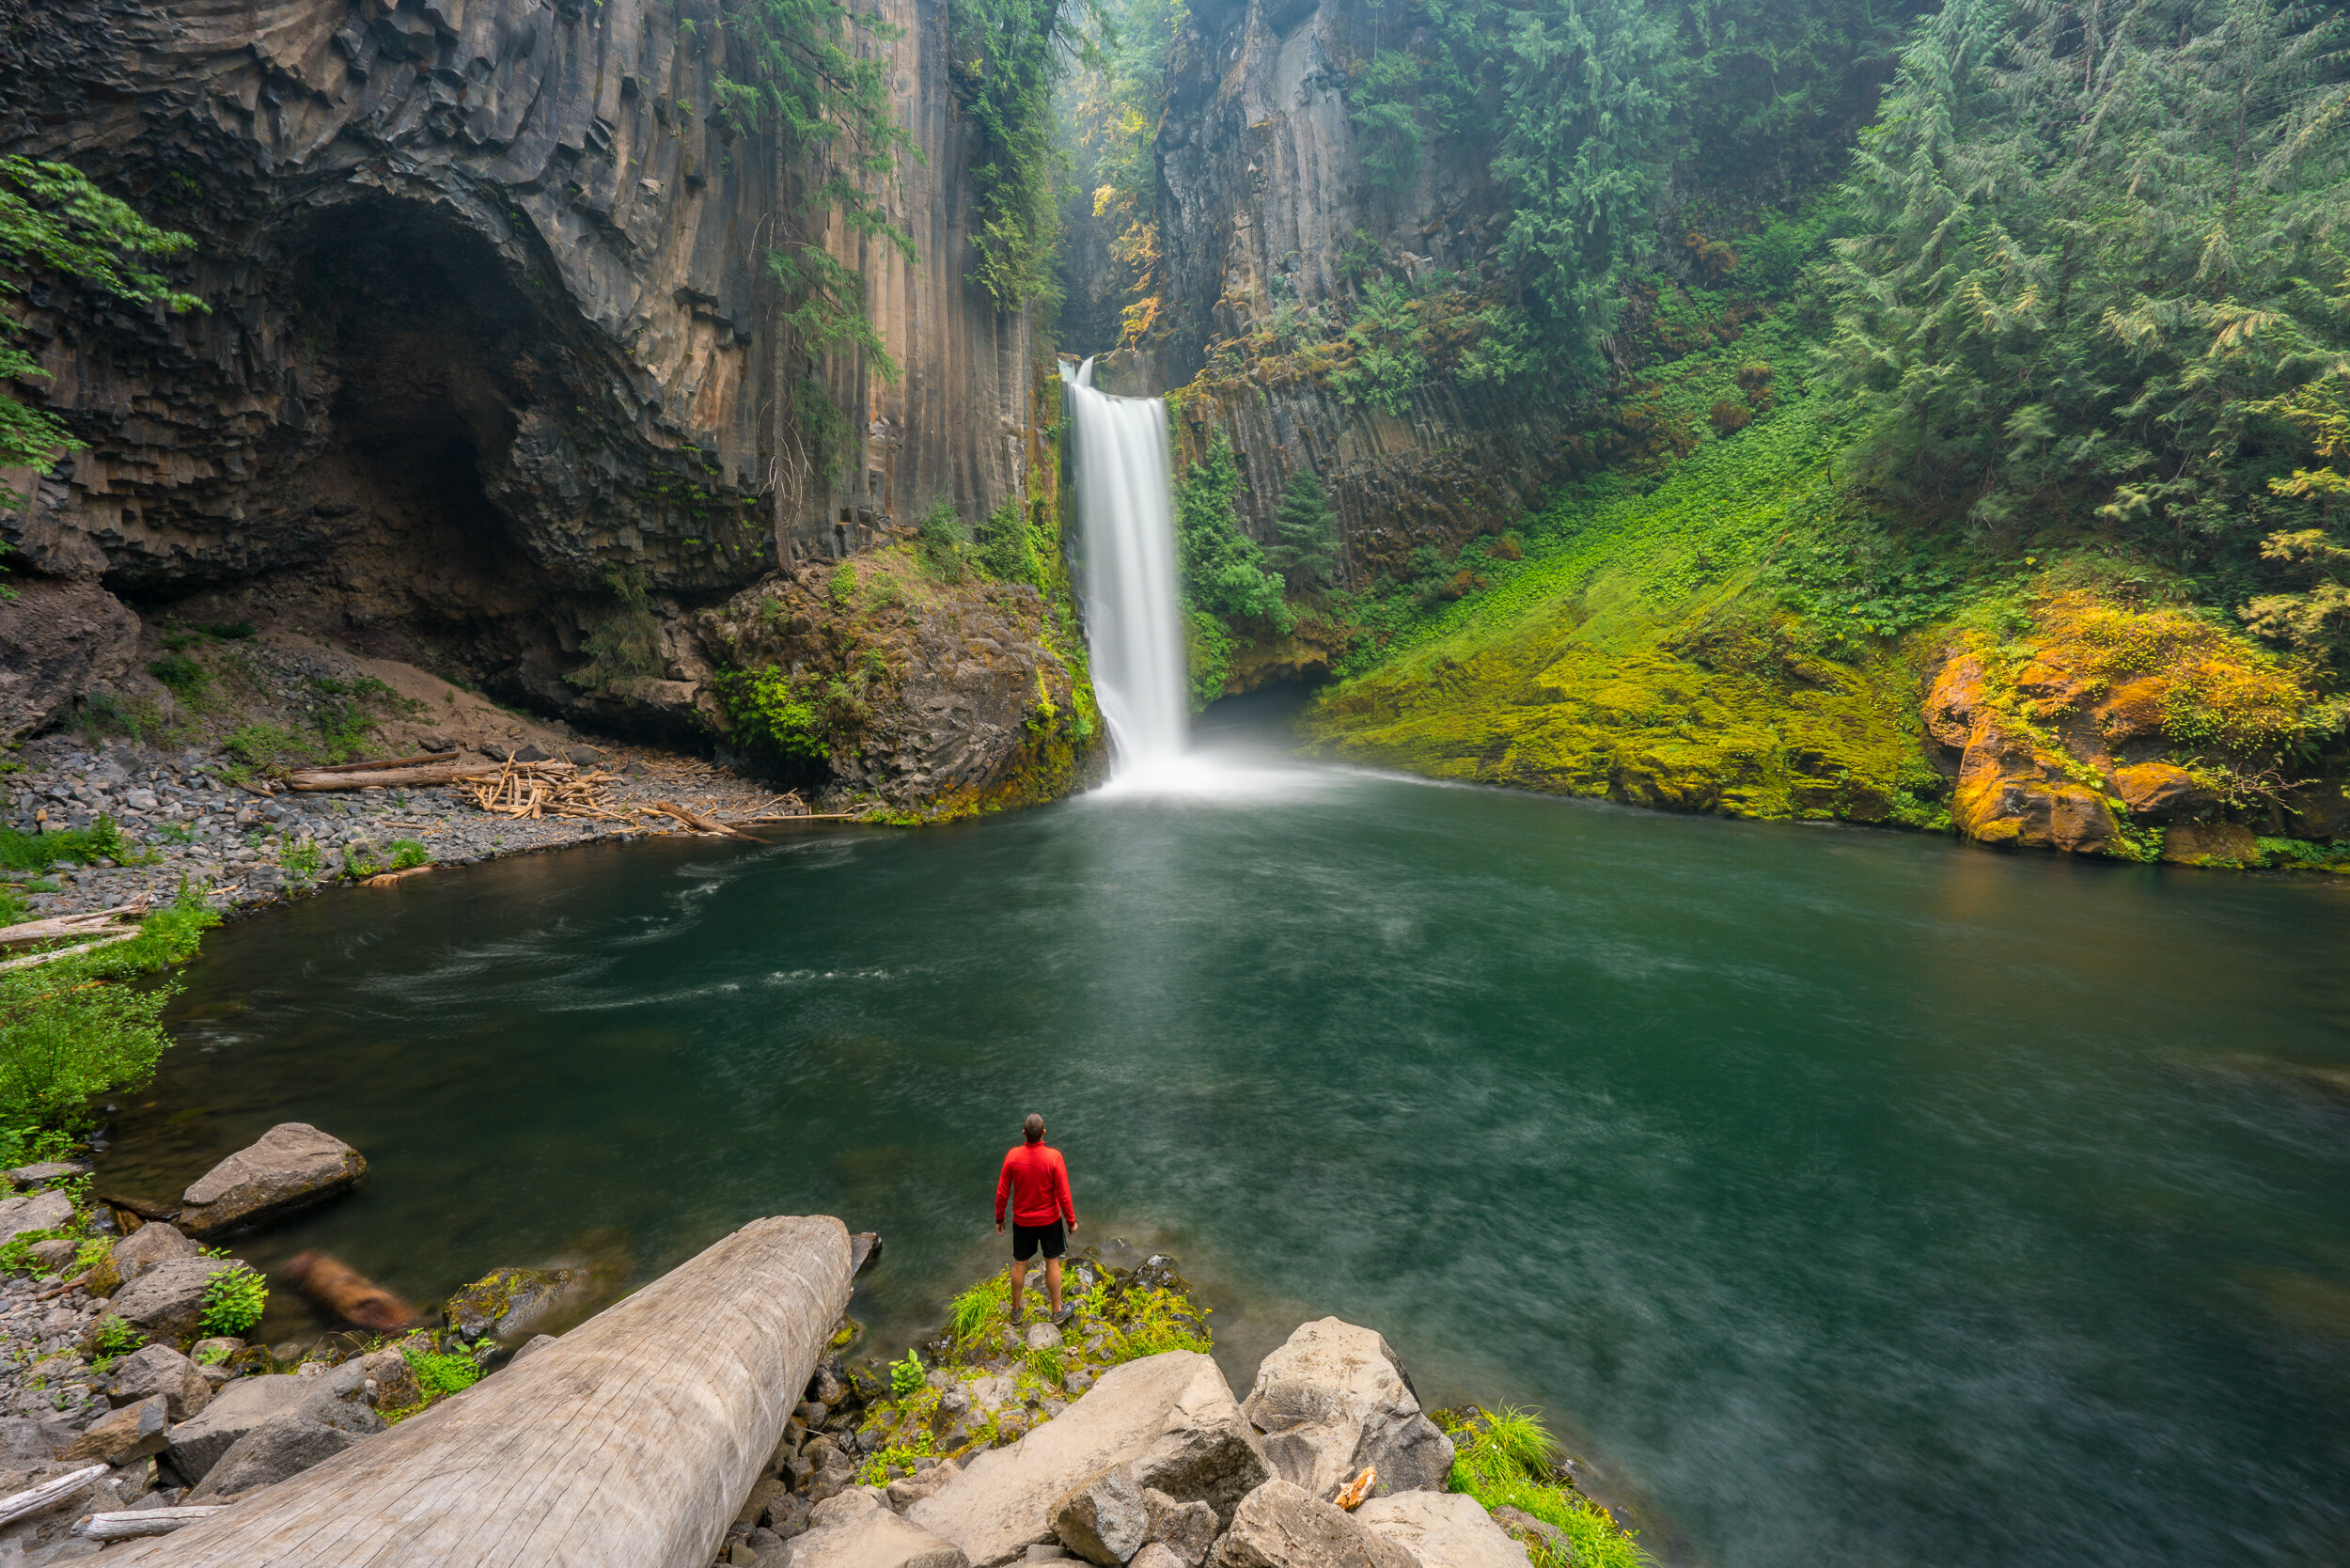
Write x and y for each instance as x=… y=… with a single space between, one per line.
x=628 y=1443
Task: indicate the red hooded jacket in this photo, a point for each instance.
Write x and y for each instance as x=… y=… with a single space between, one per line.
x=1043 y=1179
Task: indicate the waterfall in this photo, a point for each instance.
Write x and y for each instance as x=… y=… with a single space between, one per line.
x=1126 y=512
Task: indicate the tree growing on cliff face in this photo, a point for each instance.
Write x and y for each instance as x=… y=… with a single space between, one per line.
x=1222 y=568
x=790 y=67
x=52 y=219
x=1306 y=536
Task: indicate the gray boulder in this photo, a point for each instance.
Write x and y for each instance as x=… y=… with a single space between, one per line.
x=509 y=1305
x=1104 y=1520
x=240 y=1407
x=26 y=1444
x=1332 y=1401
x=1186 y=1528
x=46 y=1171
x=854 y=1531
x=906 y=1490
x=54 y=1253
x=289 y=1167
x=131 y=1433
x=58 y=638
x=147 y=1245
x=1280 y=1526
x=167 y=1301
x=34 y=1211
x=1443 y=1530
x=389 y=1382
x=282 y=1446
x=160 y=1370
x=1169 y=1421
x=338 y=1399
x=1535 y=1535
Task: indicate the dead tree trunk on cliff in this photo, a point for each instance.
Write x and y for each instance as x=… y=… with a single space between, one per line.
x=628 y=1443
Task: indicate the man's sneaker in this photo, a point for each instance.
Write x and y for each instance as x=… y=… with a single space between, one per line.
x=1065 y=1314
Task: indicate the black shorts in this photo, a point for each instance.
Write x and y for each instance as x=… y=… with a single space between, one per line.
x=1025 y=1239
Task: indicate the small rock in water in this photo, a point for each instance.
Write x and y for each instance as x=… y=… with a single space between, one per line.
x=291 y=1166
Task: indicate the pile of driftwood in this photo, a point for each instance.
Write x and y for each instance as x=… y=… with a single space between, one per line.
x=535 y=790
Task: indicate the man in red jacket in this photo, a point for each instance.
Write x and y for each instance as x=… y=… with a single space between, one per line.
x=1036 y=1172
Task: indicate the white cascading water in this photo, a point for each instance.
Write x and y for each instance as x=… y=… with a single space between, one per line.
x=1125 y=511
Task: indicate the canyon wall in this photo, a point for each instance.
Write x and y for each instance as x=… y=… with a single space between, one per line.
x=487 y=317
x=1264 y=191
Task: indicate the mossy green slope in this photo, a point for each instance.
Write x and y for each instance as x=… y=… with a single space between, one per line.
x=1633 y=654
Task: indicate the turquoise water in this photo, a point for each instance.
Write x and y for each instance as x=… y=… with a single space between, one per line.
x=1846 y=1197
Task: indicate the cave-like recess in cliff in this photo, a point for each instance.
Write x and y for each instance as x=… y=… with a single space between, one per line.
x=429 y=343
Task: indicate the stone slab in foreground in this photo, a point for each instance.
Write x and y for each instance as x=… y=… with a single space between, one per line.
x=1169 y=1419
x=628 y=1443
x=1443 y=1530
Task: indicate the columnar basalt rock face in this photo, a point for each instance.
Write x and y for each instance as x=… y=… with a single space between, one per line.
x=489 y=316
x=1263 y=192
x=955 y=423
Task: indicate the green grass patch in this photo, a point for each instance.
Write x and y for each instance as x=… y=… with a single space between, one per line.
x=74 y=1029
x=1505 y=1460
x=102 y=839
x=1638 y=650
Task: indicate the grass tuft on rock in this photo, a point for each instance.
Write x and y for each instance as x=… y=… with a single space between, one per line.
x=1506 y=1459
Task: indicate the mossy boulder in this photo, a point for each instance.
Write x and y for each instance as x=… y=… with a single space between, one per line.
x=510 y=1305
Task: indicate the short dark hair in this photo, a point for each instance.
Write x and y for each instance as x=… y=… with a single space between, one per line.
x=1033 y=1128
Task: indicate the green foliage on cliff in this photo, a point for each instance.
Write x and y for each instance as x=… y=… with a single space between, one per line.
x=1110 y=110
x=1587 y=111
x=1008 y=56
x=1221 y=569
x=1639 y=648
x=625 y=646
x=2099 y=255
x=1305 y=535
x=53 y=220
x=790 y=718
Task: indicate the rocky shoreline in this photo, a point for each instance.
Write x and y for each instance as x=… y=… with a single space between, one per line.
x=182 y=819
x=131 y=1405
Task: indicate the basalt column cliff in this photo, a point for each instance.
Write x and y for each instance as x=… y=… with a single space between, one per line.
x=488 y=351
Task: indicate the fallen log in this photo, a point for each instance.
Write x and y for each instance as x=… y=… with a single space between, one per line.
x=312 y=782
x=631 y=1442
x=384 y=879
x=130 y=1523
x=417 y=760
x=33 y=960
x=25 y=1504
x=347 y=1293
x=697 y=821
x=90 y=922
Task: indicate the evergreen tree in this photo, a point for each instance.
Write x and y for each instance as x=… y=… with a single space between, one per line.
x=2086 y=239
x=1305 y=535
x=1222 y=568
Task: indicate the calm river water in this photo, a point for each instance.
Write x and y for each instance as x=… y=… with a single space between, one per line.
x=1844 y=1196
